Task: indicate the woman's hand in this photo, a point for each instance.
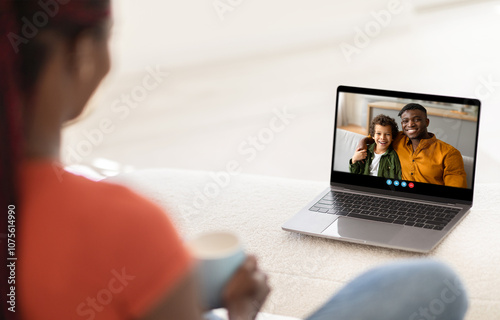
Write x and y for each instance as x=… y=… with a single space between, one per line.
x=246 y=292
x=359 y=155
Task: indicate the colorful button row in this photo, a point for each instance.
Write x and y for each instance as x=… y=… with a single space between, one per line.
x=403 y=184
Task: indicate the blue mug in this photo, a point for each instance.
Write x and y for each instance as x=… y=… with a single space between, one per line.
x=218 y=256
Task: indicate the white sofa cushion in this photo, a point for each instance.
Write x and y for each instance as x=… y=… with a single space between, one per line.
x=304 y=271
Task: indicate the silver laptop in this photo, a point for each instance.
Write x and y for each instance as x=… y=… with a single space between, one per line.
x=412 y=207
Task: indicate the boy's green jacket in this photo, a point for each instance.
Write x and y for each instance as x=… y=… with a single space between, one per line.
x=389 y=166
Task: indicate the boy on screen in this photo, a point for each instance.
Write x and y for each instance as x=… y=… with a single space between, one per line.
x=381 y=159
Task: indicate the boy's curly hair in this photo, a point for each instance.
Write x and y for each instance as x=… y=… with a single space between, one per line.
x=384 y=120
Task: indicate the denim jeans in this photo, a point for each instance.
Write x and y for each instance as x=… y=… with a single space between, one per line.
x=412 y=289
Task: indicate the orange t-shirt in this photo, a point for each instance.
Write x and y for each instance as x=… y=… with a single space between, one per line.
x=91 y=250
x=434 y=161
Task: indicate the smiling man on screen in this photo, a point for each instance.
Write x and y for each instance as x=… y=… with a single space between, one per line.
x=423 y=157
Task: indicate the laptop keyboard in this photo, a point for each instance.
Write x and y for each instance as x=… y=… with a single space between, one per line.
x=385 y=210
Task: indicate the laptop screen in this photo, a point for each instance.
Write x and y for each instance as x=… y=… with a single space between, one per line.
x=415 y=144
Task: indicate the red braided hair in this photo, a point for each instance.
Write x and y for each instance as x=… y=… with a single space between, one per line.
x=21 y=57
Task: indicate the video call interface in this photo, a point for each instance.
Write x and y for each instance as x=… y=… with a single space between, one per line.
x=447 y=161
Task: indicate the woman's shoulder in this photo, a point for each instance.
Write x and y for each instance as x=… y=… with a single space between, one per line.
x=98 y=227
x=107 y=211
x=47 y=187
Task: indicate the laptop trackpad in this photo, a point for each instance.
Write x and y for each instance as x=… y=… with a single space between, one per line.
x=364 y=230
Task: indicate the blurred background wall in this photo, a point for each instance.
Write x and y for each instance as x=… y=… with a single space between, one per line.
x=200 y=84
